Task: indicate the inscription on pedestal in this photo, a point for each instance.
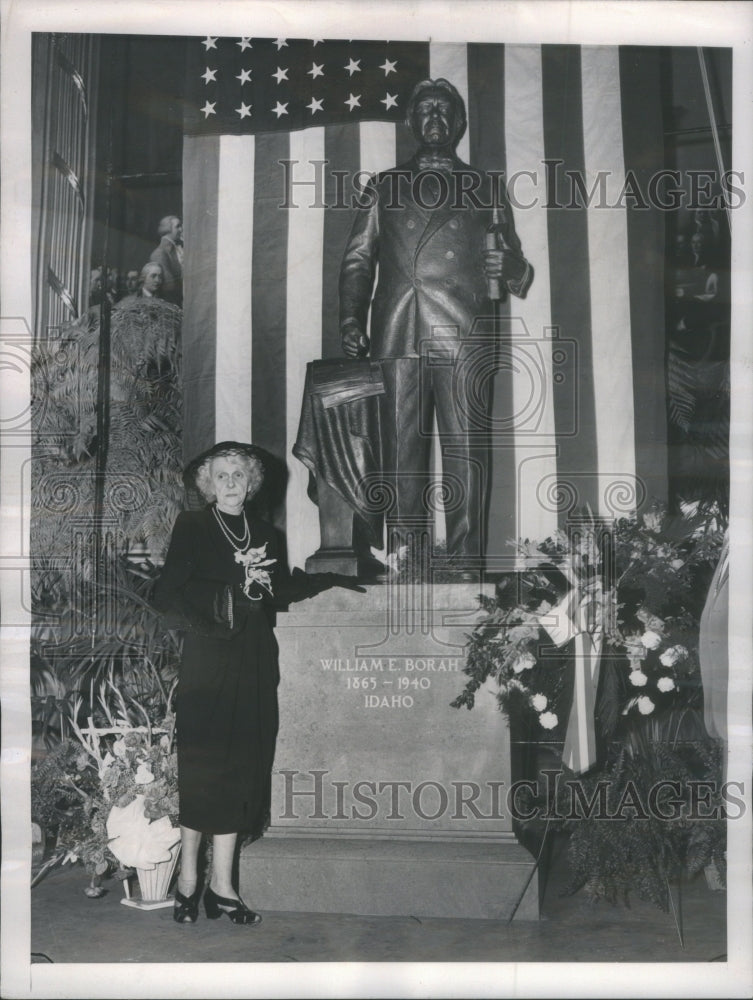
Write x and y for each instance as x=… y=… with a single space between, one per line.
x=391 y=681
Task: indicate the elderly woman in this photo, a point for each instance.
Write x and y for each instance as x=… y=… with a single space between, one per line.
x=218 y=581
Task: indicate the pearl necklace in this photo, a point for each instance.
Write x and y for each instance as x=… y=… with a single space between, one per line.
x=240 y=544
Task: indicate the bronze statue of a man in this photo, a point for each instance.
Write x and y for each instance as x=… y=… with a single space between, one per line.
x=427 y=224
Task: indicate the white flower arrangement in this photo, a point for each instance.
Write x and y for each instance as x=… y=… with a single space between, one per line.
x=623 y=589
x=126 y=779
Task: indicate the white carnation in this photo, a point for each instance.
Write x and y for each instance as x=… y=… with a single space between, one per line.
x=143 y=775
x=524 y=662
x=548 y=720
x=539 y=702
x=673 y=655
x=645 y=705
x=638 y=678
x=651 y=639
x=652 y=521
x=665 y=684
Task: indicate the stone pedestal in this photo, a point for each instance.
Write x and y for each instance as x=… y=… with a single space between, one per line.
x=386 y=800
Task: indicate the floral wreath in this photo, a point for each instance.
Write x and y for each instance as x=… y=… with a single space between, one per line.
x=627 y=585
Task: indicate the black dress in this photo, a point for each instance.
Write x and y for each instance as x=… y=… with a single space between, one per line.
x=226 y=708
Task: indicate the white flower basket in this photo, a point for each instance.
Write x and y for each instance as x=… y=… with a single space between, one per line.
x=154 y=883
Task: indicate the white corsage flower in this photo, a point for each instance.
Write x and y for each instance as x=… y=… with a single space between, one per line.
x=548 y=720
x=539 y=702
x=651 y=639
x=638 y=679
x=665 y=684
x=645 y=705
x=255 y=561
x=524 y=662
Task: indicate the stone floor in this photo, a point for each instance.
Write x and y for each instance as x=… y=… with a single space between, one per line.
x=69 y=927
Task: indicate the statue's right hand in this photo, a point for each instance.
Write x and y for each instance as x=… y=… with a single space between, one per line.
x=355 y=343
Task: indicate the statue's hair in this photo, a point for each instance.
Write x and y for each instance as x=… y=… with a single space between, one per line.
x=439 y=84
x=253 y=466
x=165 y=224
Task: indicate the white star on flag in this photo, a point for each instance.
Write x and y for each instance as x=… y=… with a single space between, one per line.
x=354 y=66
x=244 y=110
x=316 y=105
x=209 y=43
x=280 y=109
x=280 y=75
x=245 y=76
x=209 y=75
x=388 y=67
x=208 y=109
x=245 y=43
x=389 y=101
x=316 y=71
x=280 y=43
x=354 y=101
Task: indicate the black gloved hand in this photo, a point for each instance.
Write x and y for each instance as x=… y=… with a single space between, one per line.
x=346 y=582
x=311 y=584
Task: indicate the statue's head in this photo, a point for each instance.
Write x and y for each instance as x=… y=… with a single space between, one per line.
x=170 y=226
x=436 y=113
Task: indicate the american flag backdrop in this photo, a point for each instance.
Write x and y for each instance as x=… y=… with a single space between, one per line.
x=578 y=399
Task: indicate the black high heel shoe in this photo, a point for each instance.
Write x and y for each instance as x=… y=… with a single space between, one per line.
x=236 y=909
x=186 y=908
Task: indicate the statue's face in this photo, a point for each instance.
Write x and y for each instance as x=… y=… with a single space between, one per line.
x=435 y=119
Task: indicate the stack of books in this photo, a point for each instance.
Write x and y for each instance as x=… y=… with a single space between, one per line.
x=344 y=380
